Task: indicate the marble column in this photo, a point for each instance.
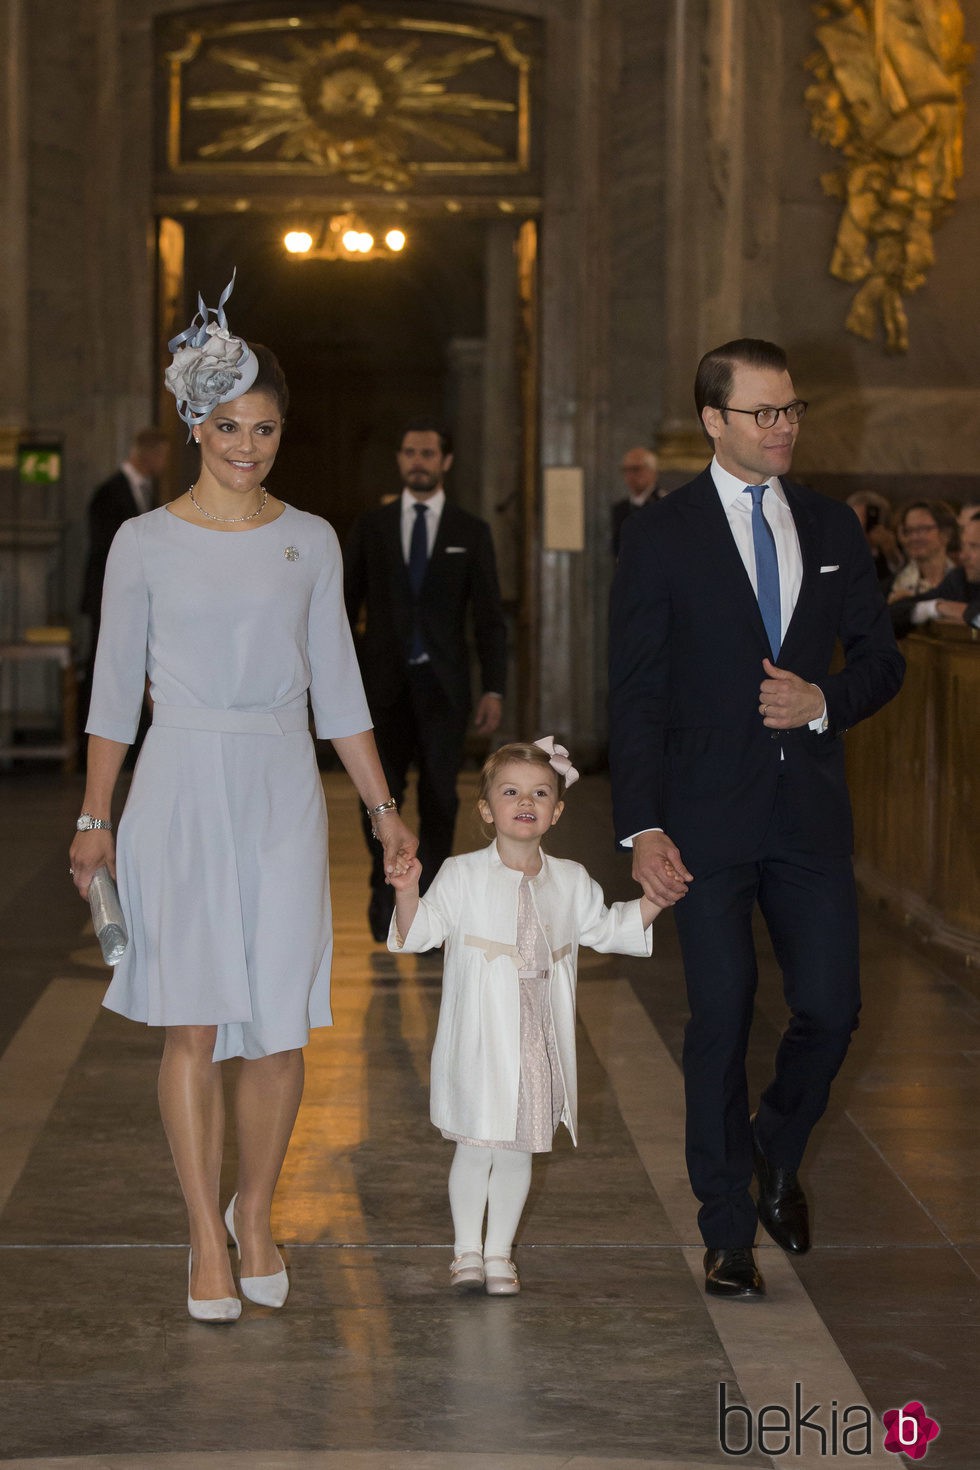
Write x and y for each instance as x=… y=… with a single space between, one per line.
x=464 y=356
x=574 y=292
x=723 y=87
x=501 y=408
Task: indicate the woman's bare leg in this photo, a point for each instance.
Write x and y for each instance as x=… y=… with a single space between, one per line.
x=266 y=1103
x=193 y=1112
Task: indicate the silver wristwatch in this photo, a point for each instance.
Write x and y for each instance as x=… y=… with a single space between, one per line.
x=87 y=823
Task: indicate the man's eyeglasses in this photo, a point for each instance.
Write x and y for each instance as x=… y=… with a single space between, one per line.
x=767 y=417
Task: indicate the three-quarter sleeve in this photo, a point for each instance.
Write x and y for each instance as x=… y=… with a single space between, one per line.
x=119 y=680
x=337 y=695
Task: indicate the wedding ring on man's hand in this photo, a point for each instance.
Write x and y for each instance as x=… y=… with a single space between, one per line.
x=764 y=709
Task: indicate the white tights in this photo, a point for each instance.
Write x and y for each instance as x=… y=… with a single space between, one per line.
x=494 y=1181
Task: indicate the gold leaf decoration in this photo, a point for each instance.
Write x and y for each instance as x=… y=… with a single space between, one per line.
x=889 y=96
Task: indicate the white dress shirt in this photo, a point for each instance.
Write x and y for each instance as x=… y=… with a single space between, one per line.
x=433 y=514
x=737 y=506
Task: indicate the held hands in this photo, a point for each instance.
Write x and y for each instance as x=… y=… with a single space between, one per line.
x=89 y=852
x=406 y=886
x=659 y=869
x=786 y=701
x=399 y=844
x=405 y=881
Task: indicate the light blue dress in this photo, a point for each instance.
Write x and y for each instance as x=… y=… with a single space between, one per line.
x=222 y=847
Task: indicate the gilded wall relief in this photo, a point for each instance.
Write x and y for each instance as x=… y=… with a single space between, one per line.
x=368 y=97
x=890 y=78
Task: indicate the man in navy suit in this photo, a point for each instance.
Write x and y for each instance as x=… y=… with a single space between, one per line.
x=418 y=569
x=726 y=716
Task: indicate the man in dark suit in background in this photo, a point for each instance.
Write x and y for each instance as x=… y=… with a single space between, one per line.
x=728 y=780
x=418 y=568
x=639 y=471
x=127 y=493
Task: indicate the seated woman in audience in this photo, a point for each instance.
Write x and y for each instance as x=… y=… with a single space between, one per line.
x=927 y=530
x=957 y=597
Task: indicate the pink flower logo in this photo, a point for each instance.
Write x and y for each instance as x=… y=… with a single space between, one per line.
x=910 y=1430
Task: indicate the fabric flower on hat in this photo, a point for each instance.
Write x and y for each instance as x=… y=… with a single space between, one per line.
x=210 y=364
x=202 y=377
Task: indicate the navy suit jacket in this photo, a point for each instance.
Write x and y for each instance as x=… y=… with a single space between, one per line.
x=688 y=749
x=460 y=580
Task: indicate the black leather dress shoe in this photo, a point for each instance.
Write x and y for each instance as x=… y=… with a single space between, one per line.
x=782 y=1204
x=732 y=1273
x=380 y=910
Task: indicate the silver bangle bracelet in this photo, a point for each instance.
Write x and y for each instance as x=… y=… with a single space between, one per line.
x=390 y=805
x=381 y=810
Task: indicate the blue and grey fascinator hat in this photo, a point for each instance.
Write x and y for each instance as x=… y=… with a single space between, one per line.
x=210 y=365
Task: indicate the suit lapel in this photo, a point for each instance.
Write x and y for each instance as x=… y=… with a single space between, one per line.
x=732 y=582
x=391 y=520
x=806 y=532
x=443 y=539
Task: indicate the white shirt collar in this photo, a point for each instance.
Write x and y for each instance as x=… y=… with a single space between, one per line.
x=433 y=502
x=730 y=487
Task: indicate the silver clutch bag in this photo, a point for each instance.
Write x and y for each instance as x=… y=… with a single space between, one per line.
x=107 y=916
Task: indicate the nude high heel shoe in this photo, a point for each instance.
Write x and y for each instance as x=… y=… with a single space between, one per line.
x=215 y=1309
x=265 y=1291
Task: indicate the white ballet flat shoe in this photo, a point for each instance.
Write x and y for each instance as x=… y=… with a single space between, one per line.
x=466 y=1272
x=264 y=1291
x=215 y=1309
x=501 y=1276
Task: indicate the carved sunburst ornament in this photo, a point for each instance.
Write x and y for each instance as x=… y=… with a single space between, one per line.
x=352 y=107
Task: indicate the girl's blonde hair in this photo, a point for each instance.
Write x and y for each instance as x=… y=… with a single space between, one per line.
x=524 y=751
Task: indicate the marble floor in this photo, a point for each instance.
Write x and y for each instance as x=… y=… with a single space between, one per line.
x=610 y=1357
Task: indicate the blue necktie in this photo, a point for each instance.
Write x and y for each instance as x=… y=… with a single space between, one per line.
x=418 y=560
x=766 y=569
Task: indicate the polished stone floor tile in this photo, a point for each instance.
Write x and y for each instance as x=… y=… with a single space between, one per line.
x=610 y=1359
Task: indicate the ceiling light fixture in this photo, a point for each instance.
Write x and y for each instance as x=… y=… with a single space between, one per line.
x=344 y=237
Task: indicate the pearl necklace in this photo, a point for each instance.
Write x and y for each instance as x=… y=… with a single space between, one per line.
x=229 y=520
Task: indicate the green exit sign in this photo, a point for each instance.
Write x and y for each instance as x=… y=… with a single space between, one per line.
x=39 y=466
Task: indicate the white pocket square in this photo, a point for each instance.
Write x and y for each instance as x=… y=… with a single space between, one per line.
x=834 y=568
x=459 y=550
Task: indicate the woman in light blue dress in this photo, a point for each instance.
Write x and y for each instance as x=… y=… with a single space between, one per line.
x=230 y=602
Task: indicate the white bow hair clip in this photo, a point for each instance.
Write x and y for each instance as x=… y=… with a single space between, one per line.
x=558 y=759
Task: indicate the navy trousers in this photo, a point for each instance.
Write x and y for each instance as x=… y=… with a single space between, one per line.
x=809 y=905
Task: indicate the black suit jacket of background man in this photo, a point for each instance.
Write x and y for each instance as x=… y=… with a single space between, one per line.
x=111 y=504
x=688 y=748
x=460 y=579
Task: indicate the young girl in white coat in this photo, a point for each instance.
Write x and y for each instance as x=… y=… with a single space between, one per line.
x=503 y=1064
